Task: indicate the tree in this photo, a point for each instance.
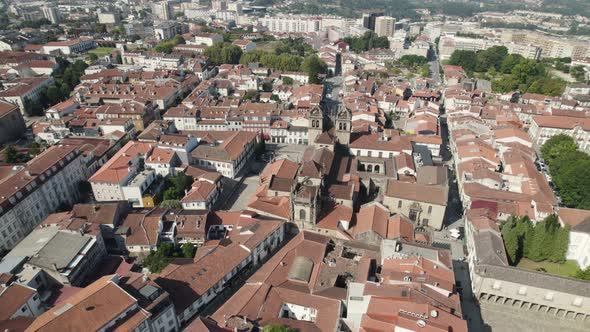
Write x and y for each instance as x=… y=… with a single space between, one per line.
x=178 y=40
x=176 y=186
x=465 y=59
x=492 y=57
x=33 y=108
x=557 y=146
x=53 y=94
x=277 y=328
x=133 y=38
x=156 y=262
x=93 y=57
x=221 y=53
x=64 y=91
x=164 y=47
x=11 y=155
x=287 y=80
x=547 y=240
x=516 y=232
x=171 y=204
x=267 y=86
x=411 y=60
x=569 y=169
x=583 y=274
x=579 y=73
x=231 y=54
x=389 y=120
x=34 y=149
x=188 y=250
x=368 y=41
x=100 y=28
x=260 y=147
x=425 y=71
x=314 y=66
x=251 y=95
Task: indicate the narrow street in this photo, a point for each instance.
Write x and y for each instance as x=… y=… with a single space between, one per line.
x=454 y=219
x=435 y=67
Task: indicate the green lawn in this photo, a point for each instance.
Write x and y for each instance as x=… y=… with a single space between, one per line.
x=102 y=51
x=567 y=269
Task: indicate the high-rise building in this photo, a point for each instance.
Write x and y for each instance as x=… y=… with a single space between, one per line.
x=51 y=13
x=369 y=19
x=162 y=10
x=385 y=26
x=219 y=5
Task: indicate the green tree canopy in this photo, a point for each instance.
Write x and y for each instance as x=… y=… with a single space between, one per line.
x=368 y=41
x=583 y=274
x=527 y=75
x=188 y=250
x=277 y=328
x=176 y=186
x=314 y=66
x=557 y=146
x=570 y=170
x=221 y=53
x=546 y=240
x=171 y=204
x=411 y=60
x=11 y=155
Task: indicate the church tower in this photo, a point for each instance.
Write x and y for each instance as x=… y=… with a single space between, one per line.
x=316 y=124
x=343 y=125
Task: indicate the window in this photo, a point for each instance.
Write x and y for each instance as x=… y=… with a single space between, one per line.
x=399 y=204
x=549 y=296
x=522 y=290
x=302 y=214
x=430 y=209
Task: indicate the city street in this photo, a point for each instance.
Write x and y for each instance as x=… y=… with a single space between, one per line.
x=435 y=67
x=333 y=88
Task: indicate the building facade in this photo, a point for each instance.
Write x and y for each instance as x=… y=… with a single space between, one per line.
x=37 y=189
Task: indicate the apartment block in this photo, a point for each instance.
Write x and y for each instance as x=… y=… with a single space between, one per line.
x=32 y=191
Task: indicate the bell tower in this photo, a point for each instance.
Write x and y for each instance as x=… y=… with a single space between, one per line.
x=316 y=124
x=343 y=125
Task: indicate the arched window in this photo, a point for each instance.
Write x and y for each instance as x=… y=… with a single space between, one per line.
x=302 y=214
x=377 y=168
x=369 y=168
x=340 y=126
